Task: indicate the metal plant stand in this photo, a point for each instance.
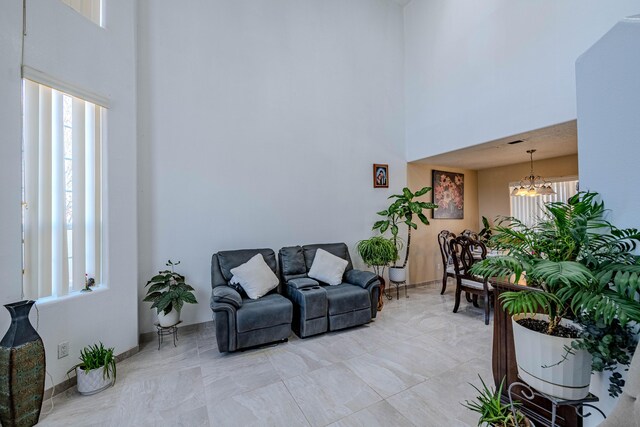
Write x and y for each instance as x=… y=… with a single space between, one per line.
x=167 y=330
x=529 y=393
x=397 y=285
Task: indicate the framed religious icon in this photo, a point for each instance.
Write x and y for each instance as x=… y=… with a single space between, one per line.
x=380 y=176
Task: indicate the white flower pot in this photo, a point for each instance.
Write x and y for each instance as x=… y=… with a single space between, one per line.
x=170 y=319
x=93 y=381
x=397 y=274
x=538 y=356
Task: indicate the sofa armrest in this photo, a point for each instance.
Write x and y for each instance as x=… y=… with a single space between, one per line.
x=302 y=282
x=361 y=278
x=225 y=294
x=224 y=319
x=374 y=293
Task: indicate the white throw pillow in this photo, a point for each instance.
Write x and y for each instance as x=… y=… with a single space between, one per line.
x=327 y=268
x=255 y=277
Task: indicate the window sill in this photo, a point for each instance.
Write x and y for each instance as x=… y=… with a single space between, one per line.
x=49 y=301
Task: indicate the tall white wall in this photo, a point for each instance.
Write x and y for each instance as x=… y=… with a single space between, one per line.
x=608 y=90
x=259 y=123
x=64 y=45
x=481 y=70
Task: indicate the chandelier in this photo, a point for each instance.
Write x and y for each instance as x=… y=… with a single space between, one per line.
x=532 y=185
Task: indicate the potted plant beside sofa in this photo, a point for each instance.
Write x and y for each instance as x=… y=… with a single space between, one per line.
x=97 y=369
x=168 y=292
x=582 y=282
x=402 y=211
x=378 y=252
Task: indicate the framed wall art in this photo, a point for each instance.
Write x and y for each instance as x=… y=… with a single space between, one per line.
x=380 y=176
x=448 y=194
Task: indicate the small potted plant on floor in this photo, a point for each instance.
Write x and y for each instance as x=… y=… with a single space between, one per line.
x=492 y=411
x=378 y=252
x=582 y=284
x=402 y=211
x=168 y=292
x=97 y=369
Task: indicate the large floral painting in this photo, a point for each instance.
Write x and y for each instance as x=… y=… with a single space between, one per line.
x=448 y=194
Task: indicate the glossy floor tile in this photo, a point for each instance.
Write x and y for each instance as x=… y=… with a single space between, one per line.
x=410 y=367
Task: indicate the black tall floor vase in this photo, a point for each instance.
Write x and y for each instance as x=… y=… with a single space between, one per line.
x=22 y=369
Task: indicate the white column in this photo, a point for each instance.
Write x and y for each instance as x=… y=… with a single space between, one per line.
x=59 y=270
x=31 y=177
x=91 y=214
x=79 y=193
x=44 y=194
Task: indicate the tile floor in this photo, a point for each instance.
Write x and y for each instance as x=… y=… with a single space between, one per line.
x=410 y=367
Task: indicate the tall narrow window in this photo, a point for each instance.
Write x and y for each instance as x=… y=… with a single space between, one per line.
x=62 y=192
x=90 y=9
x=529 y=209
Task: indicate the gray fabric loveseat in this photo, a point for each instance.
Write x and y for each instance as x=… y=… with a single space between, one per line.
x=318 y=307
x=241 y=322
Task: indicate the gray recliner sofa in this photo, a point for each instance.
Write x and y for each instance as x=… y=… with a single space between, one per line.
x=241 y=322
x=318 y=307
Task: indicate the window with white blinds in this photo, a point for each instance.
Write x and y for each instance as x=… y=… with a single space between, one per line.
x=530 y=209
x=90 y=9
x=62 y=192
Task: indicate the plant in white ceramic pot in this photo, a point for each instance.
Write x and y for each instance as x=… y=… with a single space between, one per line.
x=168 y=292
x=582 y=284
x=402 y=211
x=97 y=369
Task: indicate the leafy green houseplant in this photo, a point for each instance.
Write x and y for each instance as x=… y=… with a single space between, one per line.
x=168 y=292
x=96 y=370
x=378 y=252
x=486 y=232
x=577 y=266
x=492 y=411
x=402 y=211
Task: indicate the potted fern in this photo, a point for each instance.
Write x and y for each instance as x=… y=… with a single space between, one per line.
x=402 y=211
x=96 y=370
x=580 y=271
x=168 y=292
x=378 y=252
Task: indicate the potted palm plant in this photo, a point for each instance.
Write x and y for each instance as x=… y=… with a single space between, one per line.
x=168 y=292
x=96 y=370
x=492 y=411
x=580 y=270
x=402 y=211
x=378 y=252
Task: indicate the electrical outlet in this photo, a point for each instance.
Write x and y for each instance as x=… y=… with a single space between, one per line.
x=63 y=349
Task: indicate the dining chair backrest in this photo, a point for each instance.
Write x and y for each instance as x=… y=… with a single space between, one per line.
x=465 y=252
x=471 y=234
x=444 y=237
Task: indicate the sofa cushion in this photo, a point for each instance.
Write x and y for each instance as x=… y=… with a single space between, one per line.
x=232 y=259
x=292 y=261
x=255 y=277
x=346 y=297
x=338 y=249
x=327 y=268
x=270 y=310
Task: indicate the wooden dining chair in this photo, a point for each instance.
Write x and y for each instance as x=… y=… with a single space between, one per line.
x=444 y=237
x=462 y=253
x=471 y=234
